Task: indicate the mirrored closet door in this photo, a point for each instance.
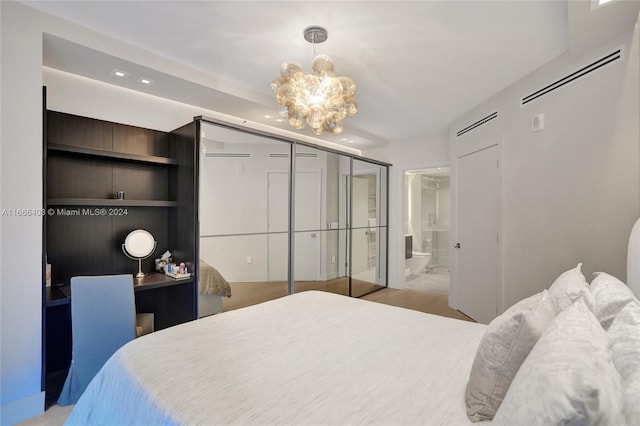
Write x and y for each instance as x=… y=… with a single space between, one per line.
x=278 y=216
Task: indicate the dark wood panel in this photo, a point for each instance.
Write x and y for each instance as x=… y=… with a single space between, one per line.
x=183 y=303
x=58 y=337
x=78 y=244
x=185 y=184
x=137 y=140
x=74 y=177
x=141 y=181
x=170 y=305
x=68 y=129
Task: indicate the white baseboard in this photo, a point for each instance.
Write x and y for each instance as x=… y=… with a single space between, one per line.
x=21 y=409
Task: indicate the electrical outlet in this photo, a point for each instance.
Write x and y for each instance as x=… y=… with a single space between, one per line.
x=249 y=259
x=333 y=259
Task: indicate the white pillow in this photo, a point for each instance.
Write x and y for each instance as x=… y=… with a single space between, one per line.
x=611 y=295
x=569 y=287
x=624 y=341
x=504 y=346
x=568 y=377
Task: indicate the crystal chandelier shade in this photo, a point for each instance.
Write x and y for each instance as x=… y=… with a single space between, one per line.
x=318 y=99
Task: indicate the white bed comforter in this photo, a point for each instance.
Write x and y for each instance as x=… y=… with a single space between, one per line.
x=311 y=358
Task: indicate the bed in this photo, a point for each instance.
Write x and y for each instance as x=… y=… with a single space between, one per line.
x=324 y=359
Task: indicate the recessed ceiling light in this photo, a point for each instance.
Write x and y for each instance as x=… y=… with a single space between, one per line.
x=118 y=73
x=146 y=81
x=279 y=119
x=344 y=139
x=267 y=116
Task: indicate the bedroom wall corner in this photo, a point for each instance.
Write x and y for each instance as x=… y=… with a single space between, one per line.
x=21 y=188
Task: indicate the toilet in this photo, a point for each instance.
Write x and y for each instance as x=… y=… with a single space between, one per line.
x=418 y=262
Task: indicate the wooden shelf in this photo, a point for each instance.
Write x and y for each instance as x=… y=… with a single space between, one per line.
x=100 y=153
x=109 y=202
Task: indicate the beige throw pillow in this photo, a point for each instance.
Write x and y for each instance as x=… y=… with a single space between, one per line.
x=611 y=295
x=504 y=346
x=567 y=379
x=569 y=287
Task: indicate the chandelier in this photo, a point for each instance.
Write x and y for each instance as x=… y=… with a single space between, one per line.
x=318 y=99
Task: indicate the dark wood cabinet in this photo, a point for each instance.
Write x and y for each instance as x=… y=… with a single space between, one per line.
x=86 y=162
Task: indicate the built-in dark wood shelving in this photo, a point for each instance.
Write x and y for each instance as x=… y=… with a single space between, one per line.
x=109 y=202
x=87 y=163
x=101 y=153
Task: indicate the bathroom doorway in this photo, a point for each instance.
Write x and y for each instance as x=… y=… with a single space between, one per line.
x=427 y=195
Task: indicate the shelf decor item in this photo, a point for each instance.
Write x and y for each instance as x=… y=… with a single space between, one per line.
x=139 y=245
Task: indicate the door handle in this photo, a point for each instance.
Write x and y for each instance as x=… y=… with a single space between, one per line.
x=456 y=245
x=313 y=235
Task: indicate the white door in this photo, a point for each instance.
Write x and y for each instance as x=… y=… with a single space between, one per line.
x=278 y=221
x=359 y=234
x=307 y=217
x=478 y=226
x=307 y=223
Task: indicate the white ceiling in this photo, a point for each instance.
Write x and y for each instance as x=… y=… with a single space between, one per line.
x=418 y=64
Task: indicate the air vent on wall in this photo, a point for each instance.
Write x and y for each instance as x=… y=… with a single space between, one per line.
x=477 y=123
x=298 y=155
x=226 y=155
x=605 y=60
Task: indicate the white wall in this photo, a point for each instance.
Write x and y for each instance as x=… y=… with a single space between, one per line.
x=21 y=188
x=570 y=193
x=432 y=151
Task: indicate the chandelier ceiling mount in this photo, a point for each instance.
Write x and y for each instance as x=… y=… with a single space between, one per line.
x=315 y=34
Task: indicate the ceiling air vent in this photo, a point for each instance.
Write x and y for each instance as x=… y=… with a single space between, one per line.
x=587 y=69
x=298 y=155
x=226 y=155
x=477 y=124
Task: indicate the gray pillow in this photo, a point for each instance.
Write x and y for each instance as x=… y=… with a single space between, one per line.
x=624 y=341
x=504 y=346
x=567 y=379
x=569 y=287
x=611 y=295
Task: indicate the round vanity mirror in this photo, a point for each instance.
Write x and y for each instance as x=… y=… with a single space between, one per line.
x=139 y=245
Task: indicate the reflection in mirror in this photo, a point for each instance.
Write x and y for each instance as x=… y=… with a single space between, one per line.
x=320 y=262
x=320 y=218
x=368 y=235
x=235 y=169
x=320 y=186
x=255 y=266
x=244 y=212
x=244 y=217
